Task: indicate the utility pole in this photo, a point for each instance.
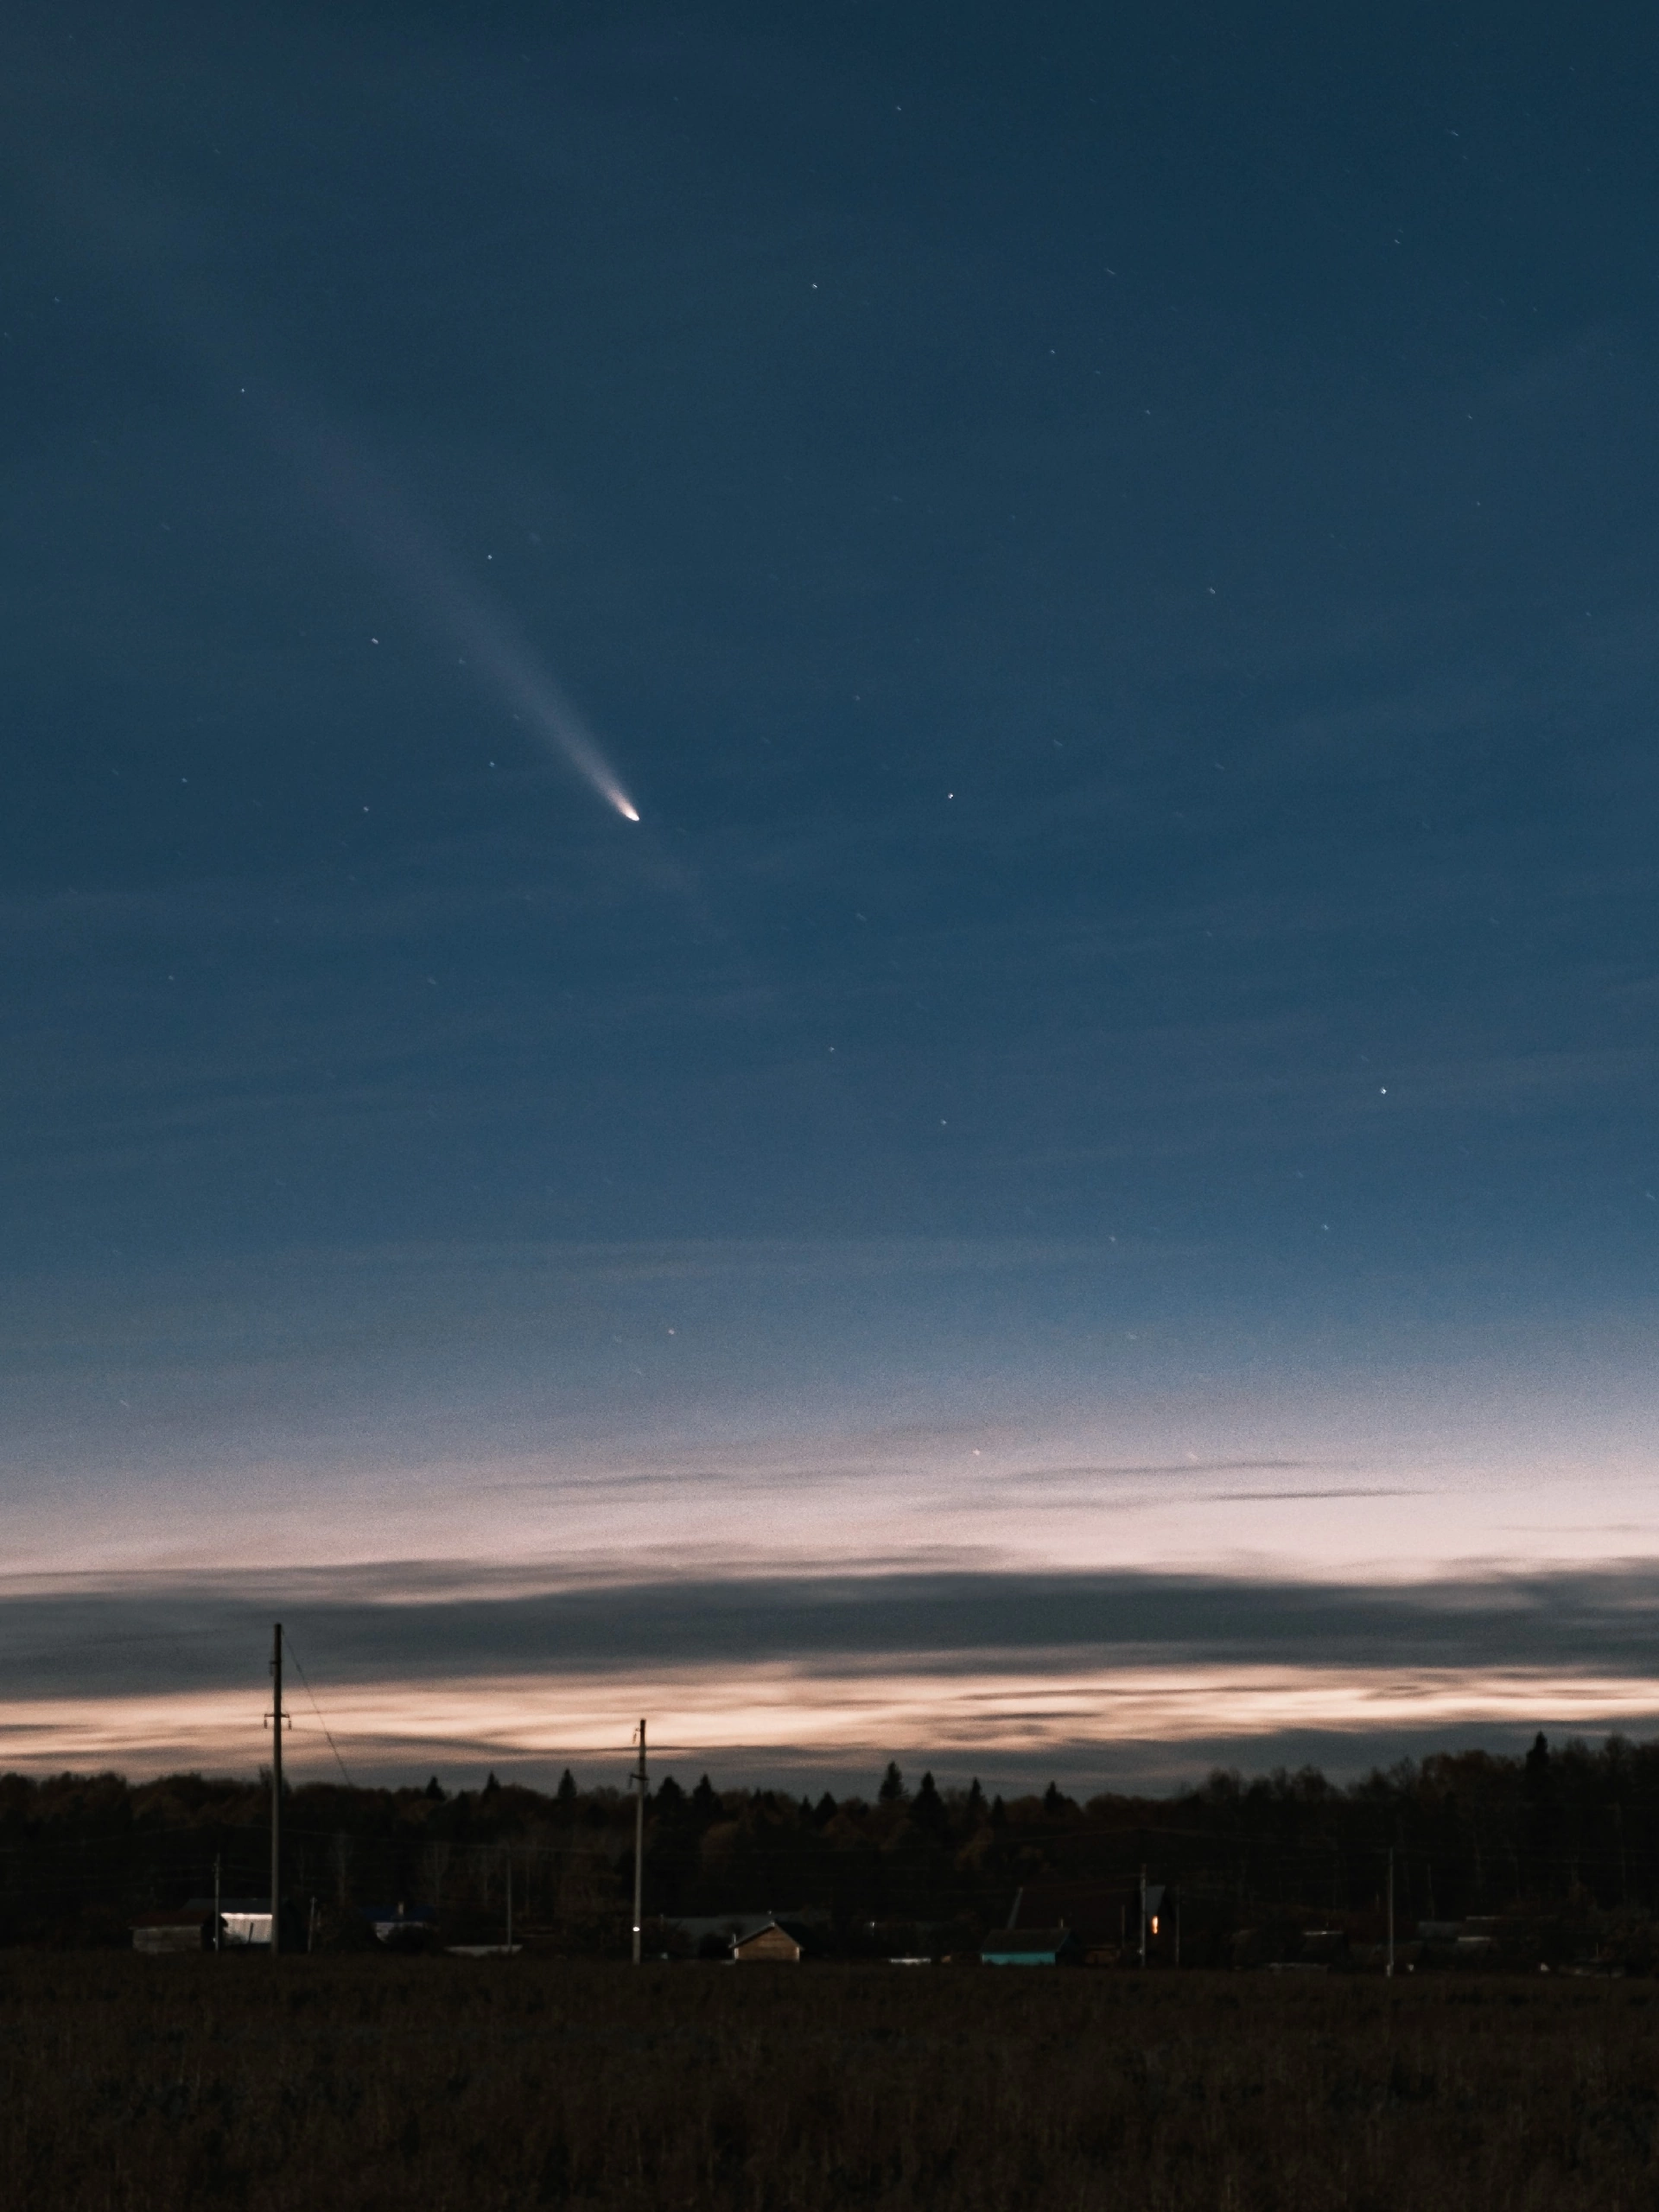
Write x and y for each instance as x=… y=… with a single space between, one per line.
x=639 y=1780
x=276 y=1788
x=1388 y=1969
x=1143 y=1916
x=508 y=1849
x=217 y=1923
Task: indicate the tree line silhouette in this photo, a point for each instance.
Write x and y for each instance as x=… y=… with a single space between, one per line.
x=1566 y=1829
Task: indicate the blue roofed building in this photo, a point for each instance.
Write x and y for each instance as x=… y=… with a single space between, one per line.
x=1030 y=1947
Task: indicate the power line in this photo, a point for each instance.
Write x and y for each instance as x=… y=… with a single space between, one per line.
x=289 y=1640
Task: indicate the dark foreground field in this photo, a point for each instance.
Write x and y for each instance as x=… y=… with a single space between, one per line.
x=371 y=2081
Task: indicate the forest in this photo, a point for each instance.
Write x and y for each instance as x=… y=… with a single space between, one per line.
x=1557 y=1848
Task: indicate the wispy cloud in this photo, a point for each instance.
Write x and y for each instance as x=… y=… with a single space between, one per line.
x=996 y=1672
x=431 y=1618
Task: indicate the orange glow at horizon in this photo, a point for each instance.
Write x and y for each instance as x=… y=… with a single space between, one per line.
x=807 y=1716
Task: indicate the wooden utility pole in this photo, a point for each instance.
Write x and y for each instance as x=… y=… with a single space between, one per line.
x=1389 y=1968
x=639 y=1780
x=1143 y=1916
x=217 y=1922
x=276 y=1788
x=507 y=1848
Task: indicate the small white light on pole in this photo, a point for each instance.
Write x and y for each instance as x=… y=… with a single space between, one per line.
x=638 y=1778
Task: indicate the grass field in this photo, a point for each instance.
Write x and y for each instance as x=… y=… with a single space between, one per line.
x=318 y=2082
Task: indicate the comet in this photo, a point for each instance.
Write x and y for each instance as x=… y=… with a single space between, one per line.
x=404 y=550
x=517 y=673
x=335 y=470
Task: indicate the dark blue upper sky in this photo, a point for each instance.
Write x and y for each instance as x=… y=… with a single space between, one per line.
x=1218 y=450
x=1114 y=550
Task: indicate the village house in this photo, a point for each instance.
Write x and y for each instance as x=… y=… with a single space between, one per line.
x=182 y=1930
x=773 y=1942
x=719 y=1935
x=244 y=1923
x=1032 y=1946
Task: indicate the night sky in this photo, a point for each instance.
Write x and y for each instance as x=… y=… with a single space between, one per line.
x=1079 y=1193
